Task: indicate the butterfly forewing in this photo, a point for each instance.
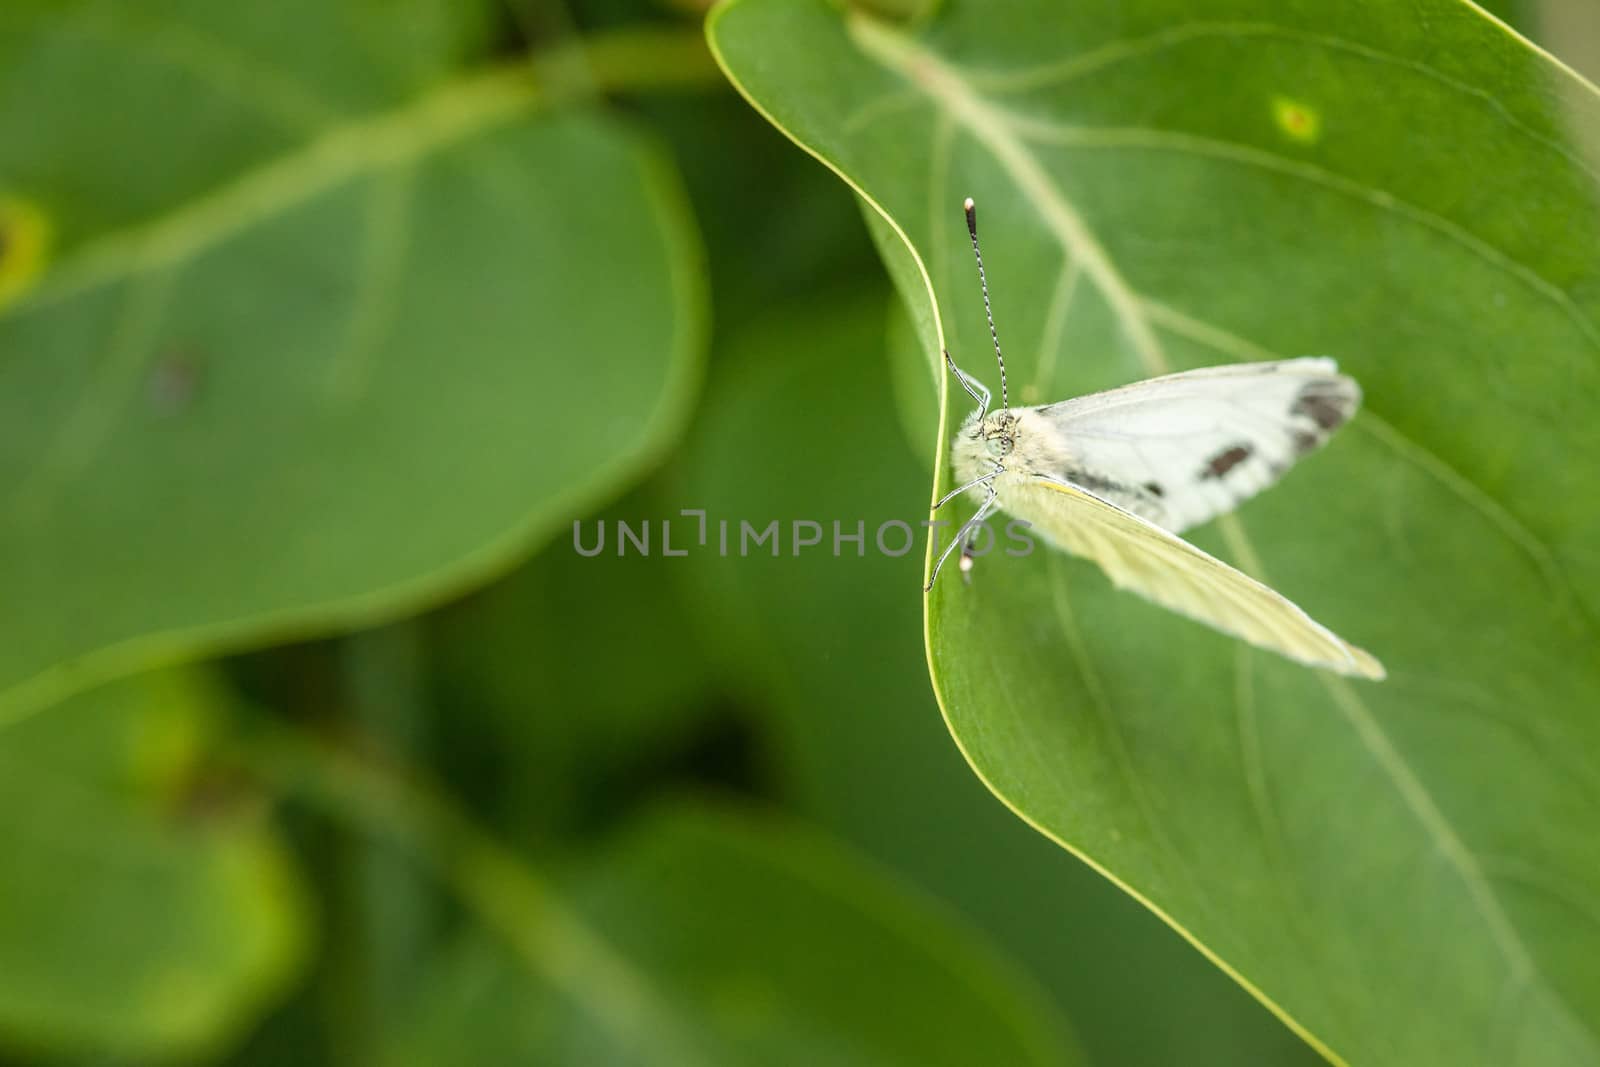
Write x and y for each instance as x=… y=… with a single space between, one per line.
x=1184 y=448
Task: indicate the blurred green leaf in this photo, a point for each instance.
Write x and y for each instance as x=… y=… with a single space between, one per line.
x=1166 y=185
x=376 y=361
x=528 y=679
x=534 y=715
x=759 y=942
x=775 y=224
x=134 y=921
x=798 y=422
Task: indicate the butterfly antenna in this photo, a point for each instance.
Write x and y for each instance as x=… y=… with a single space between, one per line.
x=972 y=228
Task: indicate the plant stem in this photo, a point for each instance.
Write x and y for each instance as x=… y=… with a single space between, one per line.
x=508 y=897
x=380 y=903
x=627 y=60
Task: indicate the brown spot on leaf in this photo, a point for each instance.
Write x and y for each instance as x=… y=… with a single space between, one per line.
x=173 y=383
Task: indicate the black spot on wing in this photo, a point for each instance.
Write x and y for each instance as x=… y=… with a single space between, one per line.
x=1305 y=441
x=1325 y=403
x=1143 y=500
x=1224 y=461
x=1095 y=483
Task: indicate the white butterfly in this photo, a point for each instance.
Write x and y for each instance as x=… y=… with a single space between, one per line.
x=1116 y=476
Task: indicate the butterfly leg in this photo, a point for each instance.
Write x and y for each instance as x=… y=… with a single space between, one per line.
x=958 y=490
x=975 y=389
x=961 y=534
x=972 y=536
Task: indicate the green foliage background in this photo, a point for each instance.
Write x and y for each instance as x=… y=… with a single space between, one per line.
x=321 y=323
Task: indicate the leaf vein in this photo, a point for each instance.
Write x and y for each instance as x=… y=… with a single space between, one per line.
x=1101 y=706
x=389 y=223
x=1040 y=131
x=84 y=428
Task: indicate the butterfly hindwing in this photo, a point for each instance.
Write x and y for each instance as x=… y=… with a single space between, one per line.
x=1139 y=555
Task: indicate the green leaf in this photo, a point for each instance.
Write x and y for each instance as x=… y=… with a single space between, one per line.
x=377 y=363
x=133 y=921
x=1400 y=870
x=753 y=941
x=523 y=686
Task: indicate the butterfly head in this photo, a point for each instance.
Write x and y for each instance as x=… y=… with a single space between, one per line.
x=998 y=432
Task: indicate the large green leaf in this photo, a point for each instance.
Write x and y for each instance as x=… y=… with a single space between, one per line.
x=740 y=939
x=1402 y=870
x=309 y=377
x=137 y=917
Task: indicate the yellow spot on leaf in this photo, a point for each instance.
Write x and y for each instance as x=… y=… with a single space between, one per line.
x=1299 y=121
x=24 y=247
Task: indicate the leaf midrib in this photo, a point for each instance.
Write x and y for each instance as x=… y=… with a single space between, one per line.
x=428 y=124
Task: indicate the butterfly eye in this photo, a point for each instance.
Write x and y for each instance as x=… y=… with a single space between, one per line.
x=998 y=445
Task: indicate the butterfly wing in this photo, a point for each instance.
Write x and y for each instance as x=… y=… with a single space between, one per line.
x=1184 y=448
x=1139 y=555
